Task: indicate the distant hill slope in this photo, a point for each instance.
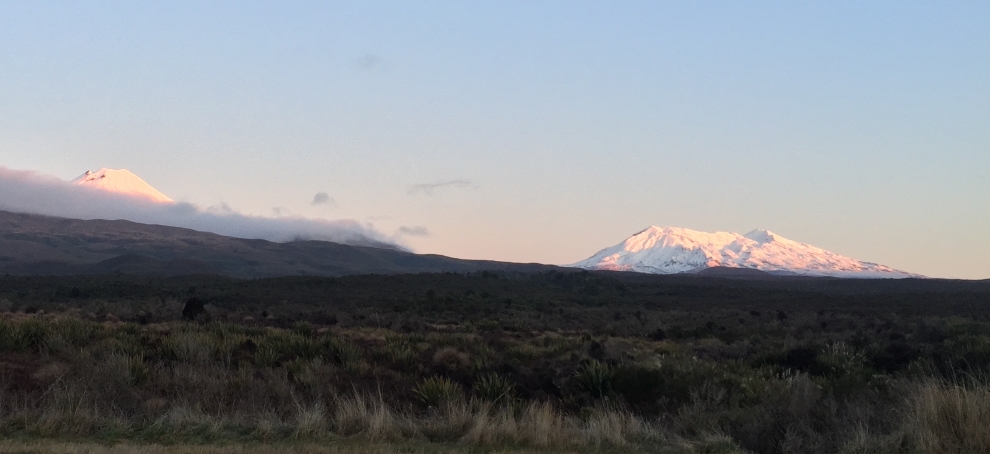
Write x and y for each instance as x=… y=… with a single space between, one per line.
x=736 y=273
x=42 y=245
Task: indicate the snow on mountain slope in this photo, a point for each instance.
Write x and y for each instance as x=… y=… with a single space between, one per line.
x=669 y=250
x=121 y=181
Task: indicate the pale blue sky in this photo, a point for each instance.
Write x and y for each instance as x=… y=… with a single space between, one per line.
x=564 y=127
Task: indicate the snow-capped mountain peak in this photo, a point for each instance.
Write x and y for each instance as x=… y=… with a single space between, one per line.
x=669 y=250
x=121 y=181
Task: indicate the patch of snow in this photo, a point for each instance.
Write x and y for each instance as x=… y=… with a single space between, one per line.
x=121 y=181
x=670 y=250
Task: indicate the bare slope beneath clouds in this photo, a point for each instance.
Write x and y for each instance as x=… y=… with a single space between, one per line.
x=42 y=245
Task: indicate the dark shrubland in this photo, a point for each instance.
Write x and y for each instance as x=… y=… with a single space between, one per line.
x=563 y=360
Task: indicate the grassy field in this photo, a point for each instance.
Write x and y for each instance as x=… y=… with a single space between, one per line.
x=359 y=447
x=356 y=448
x=493 y=363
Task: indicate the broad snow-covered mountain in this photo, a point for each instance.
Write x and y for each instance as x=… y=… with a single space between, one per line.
x=670 y=250
x=121 y=181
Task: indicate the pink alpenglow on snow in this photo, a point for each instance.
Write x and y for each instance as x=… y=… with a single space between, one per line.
x=121 y=181
x=670 y=250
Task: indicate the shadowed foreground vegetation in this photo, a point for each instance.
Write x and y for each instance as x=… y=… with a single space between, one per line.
x=355 y=447
x=520 y=363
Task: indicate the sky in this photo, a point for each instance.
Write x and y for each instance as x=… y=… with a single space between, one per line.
x=529 y=131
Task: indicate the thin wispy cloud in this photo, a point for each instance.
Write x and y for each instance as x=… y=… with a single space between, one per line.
x=431 y=188
x=415 y=230
x=37 y=193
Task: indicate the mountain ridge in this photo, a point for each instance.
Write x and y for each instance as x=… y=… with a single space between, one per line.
x=671 y=250
x=32 y=244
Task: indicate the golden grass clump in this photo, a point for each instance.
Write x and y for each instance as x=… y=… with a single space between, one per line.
x=367 y=416
x=950 y=418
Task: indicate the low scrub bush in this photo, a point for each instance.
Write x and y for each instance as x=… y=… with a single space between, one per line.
x=855 y=388
x=595 y=378
x=494 y=389
x=437 y=392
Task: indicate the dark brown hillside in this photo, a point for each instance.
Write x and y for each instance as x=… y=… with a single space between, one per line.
x=43 y=245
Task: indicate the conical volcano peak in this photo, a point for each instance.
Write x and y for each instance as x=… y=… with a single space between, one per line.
x=121 y=181
x=670 y=250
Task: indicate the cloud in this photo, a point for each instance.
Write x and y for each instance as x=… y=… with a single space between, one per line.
x=429 y=188
x=222 y=209
x=322 y=198
x=415 y=230
x=34 y=192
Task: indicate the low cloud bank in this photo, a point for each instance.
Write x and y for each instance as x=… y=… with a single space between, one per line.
x=34 y=192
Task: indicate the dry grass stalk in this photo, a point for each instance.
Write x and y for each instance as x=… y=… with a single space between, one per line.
x=949 y=418
x=311 y=420
x=611 y=427
x=542 y=425
x=369 y=416
x=45 y=447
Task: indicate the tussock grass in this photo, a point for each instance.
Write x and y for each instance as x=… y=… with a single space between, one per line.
x=224 y=383
x=945 y=417
x=938 y=417
x=369 y=417
x=322 y=448
x=477 y=423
